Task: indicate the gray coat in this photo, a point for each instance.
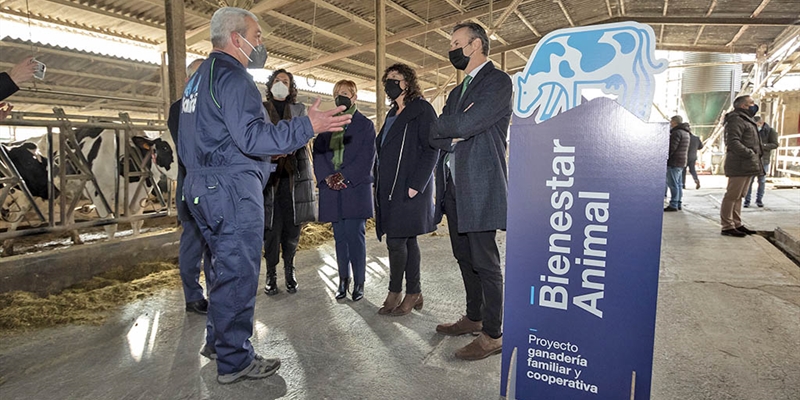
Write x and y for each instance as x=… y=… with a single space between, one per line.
x=480 y=117
x=769 y=142
x=743 y=147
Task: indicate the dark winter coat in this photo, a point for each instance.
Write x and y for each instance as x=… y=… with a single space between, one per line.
x=694 y=144
x=480 y=117
x=355 y=201
x=301 y=178
x=173 y=124
x=679 y=145
x=7 y=86
x=769 y=142
x=405 y=161
x=742 y=145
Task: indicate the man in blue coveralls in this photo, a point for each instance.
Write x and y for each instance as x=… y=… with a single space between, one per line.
x=225 y=144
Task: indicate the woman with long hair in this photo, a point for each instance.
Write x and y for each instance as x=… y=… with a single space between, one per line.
x=404 y=185
x=289 y=195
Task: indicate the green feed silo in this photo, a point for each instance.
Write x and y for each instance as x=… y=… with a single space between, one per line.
x=706 y=90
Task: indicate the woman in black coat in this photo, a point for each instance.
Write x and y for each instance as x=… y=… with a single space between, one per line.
x=404 y=186
x=289 y=195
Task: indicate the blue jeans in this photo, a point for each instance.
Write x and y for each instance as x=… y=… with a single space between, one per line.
x=674 y=183
x=762 y=184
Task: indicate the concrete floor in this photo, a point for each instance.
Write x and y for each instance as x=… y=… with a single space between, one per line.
x=728 y=327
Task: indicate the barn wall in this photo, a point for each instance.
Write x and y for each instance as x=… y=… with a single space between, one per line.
x=52 y=271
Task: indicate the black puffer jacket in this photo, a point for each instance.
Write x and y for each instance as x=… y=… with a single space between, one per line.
x=742 y=144
x=301 y=176
x=679 y=145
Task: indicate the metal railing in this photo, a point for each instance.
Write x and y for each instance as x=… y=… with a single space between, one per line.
x=788 y=156
x=69 y=173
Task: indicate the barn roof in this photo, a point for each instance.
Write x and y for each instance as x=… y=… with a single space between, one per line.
x=335 y=39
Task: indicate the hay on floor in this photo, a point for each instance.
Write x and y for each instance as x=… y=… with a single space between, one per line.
x=87 y=302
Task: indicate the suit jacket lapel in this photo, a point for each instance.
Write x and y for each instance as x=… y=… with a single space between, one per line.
x=474 y=83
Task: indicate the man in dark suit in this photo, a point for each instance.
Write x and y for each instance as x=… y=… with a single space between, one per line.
x=192 y=245
x=472 y=185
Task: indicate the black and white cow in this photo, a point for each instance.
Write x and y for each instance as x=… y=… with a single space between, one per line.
x=98 y=146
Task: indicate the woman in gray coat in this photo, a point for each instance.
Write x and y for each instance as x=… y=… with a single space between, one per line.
x=289 y=195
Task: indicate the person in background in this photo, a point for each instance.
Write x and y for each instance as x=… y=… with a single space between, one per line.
x=289 y=196
x=769 y=142
x=192 y=247
x=694 y=144
x=404 y=185
x=343 y=162
x=742 y=163
x=678 y=153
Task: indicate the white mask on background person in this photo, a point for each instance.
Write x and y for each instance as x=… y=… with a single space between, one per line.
x=279 y=90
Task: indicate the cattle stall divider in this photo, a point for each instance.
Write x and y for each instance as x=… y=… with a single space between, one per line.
x=70 y=171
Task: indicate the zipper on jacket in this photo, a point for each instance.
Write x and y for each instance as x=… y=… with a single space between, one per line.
x=397 y=171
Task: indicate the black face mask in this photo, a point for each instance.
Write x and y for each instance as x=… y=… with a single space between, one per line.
x=258 y=57
x=343 y=101
x=392 y=88
x=458 y=59
x=752 y=110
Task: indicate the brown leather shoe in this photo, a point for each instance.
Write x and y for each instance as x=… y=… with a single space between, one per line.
x=483 y=346
x=462 y=326
x=410 y=301
x=391 y=302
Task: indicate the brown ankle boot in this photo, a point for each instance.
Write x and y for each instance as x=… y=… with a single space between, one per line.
x=391 y=302
x=410 y=301
x=462 y=326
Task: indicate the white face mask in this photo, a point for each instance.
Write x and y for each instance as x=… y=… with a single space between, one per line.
x=279 y=90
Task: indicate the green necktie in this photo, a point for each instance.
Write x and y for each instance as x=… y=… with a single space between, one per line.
x=464 y=85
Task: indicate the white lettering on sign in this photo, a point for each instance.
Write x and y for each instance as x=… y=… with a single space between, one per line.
x=555 y=292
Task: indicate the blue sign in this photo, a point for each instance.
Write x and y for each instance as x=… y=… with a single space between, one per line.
x=618 y=59
x=583 y=247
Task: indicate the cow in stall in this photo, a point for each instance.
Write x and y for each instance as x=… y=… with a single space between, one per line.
x=99 y=148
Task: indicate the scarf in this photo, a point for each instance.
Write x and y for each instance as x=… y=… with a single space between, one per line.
x=337 y=141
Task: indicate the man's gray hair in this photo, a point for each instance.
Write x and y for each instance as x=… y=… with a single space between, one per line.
x=677 y=119
x=193 y=66
x=227 y=20
x=757 y=118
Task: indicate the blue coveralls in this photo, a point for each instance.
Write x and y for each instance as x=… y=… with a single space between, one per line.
x=226 y=141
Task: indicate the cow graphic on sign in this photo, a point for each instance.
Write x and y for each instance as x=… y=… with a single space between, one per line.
x=617 y=58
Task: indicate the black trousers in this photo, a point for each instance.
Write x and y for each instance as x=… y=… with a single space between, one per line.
x=282 y=238
x=692 y=169
x=404 y=259
x=479 y=260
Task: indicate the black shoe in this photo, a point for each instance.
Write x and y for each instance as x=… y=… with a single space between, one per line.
x=291 y=281
x=271 y=288
x=209 y=352
x=358 y=292
x=199 y=306
x=759 y=204
x=746 y=205
x=733 y=232
x=746 y=231
x=698 y=185
x=670 y=208
x=343 y=285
